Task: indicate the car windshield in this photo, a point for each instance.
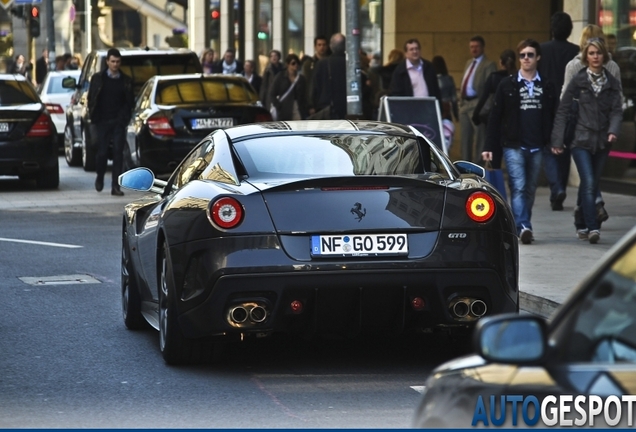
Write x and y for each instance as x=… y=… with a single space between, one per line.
x=143 y=67
x=217 y=90
x=55 y=86
x=332 y=155
x=602 y=327
x=16 y=93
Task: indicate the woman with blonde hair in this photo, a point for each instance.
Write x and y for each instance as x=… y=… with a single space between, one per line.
x=590 y=31
x=207 y=60
x=598 y=123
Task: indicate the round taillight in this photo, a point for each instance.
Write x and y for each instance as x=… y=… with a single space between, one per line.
x=418 y=304
x=480 y=207
x=226 y=212
x=296 y=306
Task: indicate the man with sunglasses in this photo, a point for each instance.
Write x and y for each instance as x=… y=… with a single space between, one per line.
x=521 y=123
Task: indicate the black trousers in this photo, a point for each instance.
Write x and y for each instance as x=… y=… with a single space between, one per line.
x=103 y=134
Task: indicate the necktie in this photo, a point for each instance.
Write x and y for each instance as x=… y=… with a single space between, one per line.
x=468 y=75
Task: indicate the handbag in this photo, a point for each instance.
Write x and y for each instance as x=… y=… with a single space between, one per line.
x=496 y=178
x=572 y=118
x=272 y=110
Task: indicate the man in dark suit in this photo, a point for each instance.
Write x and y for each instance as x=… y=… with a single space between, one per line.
x=42 y=67
x=414 y=76
x=555 y=56
x=228 y=64
x=330 y=80
x=252 y=77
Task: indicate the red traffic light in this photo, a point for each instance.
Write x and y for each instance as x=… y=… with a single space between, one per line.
x=216 y=14
x=35 y=12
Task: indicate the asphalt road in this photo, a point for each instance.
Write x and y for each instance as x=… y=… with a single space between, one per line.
x=68 y=361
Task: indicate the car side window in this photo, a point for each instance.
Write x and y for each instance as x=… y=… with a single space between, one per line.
x=602 y=325
x=143 y=101
x=194 y=164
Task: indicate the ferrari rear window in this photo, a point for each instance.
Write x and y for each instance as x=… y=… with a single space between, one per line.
x=14 y=92
x=333 y=155
x=203 y=90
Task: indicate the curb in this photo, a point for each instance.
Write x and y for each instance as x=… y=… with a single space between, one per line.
x=537 y=305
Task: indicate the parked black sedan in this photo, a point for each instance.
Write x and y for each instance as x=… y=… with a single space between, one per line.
x=314 y=228
x=173 y=113
x=28 y=144
x=581 y=365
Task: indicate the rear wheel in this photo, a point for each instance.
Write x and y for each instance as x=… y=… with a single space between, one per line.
x=175 y=347
x=72 y=155
x=130 y=297
x=88 y=152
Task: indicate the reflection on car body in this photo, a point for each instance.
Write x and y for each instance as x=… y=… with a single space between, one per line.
x=229 y=256
x=588 y=349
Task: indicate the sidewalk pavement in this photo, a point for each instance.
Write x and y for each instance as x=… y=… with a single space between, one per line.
x=557 y=260
x=549 y=268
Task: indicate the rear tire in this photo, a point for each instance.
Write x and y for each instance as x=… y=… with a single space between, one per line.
x=130 y=297
x=88 y=152
x=72 y=155
x=48 y=177
x=175 y=347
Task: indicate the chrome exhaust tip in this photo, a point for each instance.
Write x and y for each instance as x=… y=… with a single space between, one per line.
x=238 y=314
x=460 y=309
x=258 y=314
x=478 y=308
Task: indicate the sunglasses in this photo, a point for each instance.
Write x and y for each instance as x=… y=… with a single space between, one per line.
x=526 y=54
x=293 y=63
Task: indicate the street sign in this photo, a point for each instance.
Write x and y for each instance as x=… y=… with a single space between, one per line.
x=6 y=3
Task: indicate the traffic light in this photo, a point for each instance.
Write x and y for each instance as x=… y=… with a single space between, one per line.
x=215 y=23
x=34 y=21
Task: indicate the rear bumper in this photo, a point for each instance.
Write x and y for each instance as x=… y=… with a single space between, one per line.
x=26 y=156
x=163 y=155
x=338 y=297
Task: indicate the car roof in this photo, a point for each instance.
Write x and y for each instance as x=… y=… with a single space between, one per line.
x=232 y=77
x=14 y=77
x=65 y=73
x=125 y=52
x=307 y=127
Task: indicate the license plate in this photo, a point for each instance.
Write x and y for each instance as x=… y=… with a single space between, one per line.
x=4 y=127
x=359 y=245
x=209 y=123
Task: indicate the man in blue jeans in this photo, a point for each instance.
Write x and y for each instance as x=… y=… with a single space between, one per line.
x=521 y=123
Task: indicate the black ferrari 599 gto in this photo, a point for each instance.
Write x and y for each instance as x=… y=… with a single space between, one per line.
x=314 y=228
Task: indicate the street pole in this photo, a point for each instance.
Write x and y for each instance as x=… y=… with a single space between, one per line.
x=88 y=18
x=50 y=33
x=354 y=89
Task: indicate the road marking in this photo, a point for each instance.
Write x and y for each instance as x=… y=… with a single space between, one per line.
x=62 y=245
x=419 y=389
x=60 y=280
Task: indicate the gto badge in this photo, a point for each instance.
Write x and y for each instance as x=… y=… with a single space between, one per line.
x=457 y=235
x=358 y=211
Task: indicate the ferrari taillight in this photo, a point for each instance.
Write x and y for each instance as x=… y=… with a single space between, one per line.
x=226 y=212
x=42 y=127
x=262 y=117
x=160 y=126
x=480 y=207
x=54 y=108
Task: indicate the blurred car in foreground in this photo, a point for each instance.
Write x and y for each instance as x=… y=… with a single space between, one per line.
x=140 y=64
x=28 y=145
x=56 y=98
x=173 y=113
x=587 y=350
x=335 y=228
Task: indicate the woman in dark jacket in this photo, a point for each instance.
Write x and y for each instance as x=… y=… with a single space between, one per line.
x=290 y=104
x=598 y=124
x=507 y=66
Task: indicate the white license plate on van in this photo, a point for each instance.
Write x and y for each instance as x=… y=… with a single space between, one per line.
x=209 y=123
x=360 y=245
x=4 y=127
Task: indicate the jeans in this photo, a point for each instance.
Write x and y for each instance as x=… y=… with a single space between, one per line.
x=102 y=134
x=524 y=168
x=590 y=166
x=557 y=171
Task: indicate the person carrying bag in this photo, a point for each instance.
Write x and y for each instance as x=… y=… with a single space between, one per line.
x=289 y=103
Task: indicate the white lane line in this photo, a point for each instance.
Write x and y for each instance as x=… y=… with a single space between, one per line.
x=419 y=389
x=62 y=245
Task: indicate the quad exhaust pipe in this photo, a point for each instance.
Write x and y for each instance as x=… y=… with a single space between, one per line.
x=466 y=308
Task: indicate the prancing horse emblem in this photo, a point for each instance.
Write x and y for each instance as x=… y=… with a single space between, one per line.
x=358 y=211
